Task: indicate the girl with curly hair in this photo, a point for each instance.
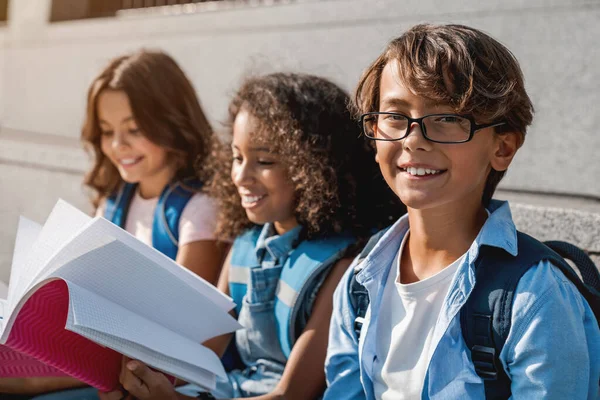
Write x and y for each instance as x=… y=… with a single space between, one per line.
x=287 y=183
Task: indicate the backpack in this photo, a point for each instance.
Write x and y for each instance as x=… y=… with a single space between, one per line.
x=167 y=214
x=486 y=316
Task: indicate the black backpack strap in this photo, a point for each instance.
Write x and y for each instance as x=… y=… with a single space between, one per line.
x=583 y=262
x=486 y=316
x=483 y=318
x=359 y=297
x=590 y=286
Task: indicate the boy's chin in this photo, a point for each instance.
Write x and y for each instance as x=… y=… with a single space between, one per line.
x=417 y=206
x=439 y=203
x=420 y=202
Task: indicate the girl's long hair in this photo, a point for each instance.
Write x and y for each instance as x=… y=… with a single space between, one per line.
x=165 y=107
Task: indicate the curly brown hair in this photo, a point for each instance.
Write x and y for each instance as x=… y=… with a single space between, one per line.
x=305 y=119
x=165 y=107
x=459 y=66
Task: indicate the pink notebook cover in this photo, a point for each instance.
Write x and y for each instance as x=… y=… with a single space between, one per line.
x=14 y=365
x=38 y=344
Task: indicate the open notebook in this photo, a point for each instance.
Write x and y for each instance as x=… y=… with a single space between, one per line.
x=83 y=291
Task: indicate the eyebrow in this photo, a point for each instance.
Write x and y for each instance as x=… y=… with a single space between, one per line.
x=394 y=101
x=263 y=149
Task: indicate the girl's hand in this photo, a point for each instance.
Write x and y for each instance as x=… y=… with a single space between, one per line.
x=114 y=395
x=143 y=383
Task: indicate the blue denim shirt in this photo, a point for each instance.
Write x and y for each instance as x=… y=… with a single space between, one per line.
x=552 y=350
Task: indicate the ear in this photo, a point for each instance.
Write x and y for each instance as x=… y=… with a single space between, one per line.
x=506 y=146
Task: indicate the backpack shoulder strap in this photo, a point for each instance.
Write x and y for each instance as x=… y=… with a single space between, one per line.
x=117 y=205
x=589 y=287
x=359 y=297
x=486 y=316
x=583 y=262
x=165 y=225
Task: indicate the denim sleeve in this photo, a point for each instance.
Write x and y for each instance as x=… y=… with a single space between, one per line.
x=553 y=348
x=342 y=365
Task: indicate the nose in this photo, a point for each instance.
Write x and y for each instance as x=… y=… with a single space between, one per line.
x=415 y=140
x=242 y=173
x=119 y=139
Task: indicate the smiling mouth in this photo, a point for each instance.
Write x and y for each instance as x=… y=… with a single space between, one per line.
x=128 y=162
x=251 y=201
x=413 y=171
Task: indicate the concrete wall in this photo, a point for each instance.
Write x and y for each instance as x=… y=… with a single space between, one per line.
x=28 y=195
x=2 y=75
x=45 y=70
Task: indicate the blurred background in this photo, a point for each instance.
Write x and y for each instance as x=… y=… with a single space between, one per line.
x=50 y=50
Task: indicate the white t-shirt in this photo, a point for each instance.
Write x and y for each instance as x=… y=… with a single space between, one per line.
x=405 y=325
x=198 y=218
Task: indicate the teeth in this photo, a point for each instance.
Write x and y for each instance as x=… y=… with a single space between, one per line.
x=421 y=171
x=251 y=199
x=129 y=161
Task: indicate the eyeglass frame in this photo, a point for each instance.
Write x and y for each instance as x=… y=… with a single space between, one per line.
x=474 y=126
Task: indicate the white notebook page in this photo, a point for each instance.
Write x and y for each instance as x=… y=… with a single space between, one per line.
x=62 y=224
x=113 y=326
x=27 y=233
x=117 y=272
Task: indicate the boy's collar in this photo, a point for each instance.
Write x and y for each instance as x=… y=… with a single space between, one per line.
x=498 y=231
x=389 y=238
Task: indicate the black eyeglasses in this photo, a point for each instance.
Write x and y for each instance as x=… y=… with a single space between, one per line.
x=438 y=128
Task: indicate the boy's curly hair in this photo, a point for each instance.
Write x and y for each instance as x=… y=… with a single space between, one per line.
x=306 y=121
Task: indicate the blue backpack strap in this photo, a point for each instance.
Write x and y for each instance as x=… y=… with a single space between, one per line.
x=117 y=205
x=486 y=316
x=359 y=297
x=165 y=226
x=243 y=258
x=310 y=260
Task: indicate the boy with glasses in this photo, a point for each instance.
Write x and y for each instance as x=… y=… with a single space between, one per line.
x=447 y=110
